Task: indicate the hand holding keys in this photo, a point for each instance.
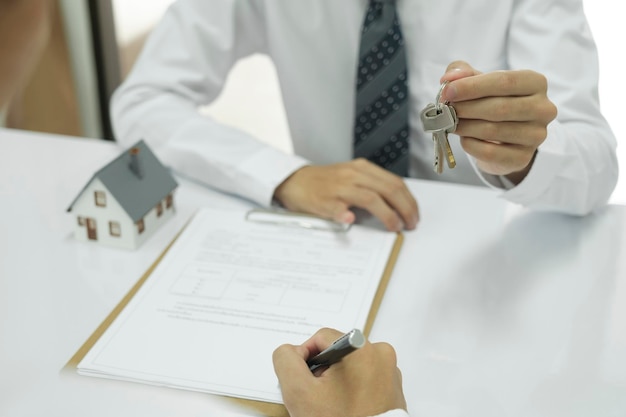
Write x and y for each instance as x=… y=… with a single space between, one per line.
x=440 y=119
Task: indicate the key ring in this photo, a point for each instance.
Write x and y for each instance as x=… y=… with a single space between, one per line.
x=438 y=98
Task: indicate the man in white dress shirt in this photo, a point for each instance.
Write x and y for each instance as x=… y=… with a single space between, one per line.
x=523 y=80
x=522 y=63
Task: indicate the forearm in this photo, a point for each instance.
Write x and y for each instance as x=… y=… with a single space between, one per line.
x=199 y=147
x=575 y=171
x=183 y=66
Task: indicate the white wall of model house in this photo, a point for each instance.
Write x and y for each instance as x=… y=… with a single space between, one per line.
x=129 y=237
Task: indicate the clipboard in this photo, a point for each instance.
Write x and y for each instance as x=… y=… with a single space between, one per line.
x=264 y=408
x=294 y=219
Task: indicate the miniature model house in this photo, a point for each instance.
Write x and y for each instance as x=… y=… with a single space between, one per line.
x=125 y=201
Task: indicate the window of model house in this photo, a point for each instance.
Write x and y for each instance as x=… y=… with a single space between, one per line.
x=101 y=199
x=159 y=209
x=169 y=201
x=115 y=229
x=140 y=226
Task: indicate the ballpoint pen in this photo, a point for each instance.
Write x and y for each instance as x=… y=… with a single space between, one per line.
x=347 y=343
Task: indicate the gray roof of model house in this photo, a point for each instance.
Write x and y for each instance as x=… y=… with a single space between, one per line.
x=137 y=180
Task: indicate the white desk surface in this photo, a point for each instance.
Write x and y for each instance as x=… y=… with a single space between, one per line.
x=493 y=310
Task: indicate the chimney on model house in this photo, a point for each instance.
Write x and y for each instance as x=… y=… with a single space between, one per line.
x=135 y=163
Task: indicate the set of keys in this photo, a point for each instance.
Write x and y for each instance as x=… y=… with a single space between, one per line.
x=440 y=119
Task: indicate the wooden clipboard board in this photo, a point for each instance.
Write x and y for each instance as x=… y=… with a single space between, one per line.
x=265 y=408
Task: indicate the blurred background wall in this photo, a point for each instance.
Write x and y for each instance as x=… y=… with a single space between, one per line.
x=43 y=95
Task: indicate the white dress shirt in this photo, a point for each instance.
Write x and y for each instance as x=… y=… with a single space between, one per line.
x=314 y=44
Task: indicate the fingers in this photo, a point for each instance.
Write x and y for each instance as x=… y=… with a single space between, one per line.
x=290 y=363
x=503 y=116
x=496 y=157
x=515 y=133
x=288 y=355
x=393 y=191
x=496 y=84
x=365 y=382
x=457 y=70
x=330 y=191
x=292 y=371
x=506 y=109
x=321 y=340
x=380 y=193
x=339 y=212
x=295 y=379
x=375 y=204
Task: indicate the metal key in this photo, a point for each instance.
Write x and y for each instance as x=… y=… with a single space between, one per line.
x=447 y=150
x=445 y=144
x=438 y=160
x=440 y=119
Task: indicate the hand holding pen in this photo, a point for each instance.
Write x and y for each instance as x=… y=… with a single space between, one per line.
x=363 y=383
x=347 y=343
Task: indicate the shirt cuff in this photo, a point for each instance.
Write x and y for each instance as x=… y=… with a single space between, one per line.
x=498 y=182
x=276 y=168
x=545 y=166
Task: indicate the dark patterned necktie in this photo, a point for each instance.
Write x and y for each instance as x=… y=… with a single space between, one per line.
x=381 y=129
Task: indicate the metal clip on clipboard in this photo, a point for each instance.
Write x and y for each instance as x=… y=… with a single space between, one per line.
x=291 y=219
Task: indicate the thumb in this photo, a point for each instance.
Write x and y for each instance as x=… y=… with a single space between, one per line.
x=456 y=71
x=290 y=363
x=340 y=212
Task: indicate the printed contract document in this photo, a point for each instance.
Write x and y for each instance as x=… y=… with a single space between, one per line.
x=228 y=292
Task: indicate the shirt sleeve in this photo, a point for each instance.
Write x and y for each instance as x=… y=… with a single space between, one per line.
x=575 y=169
x=183 y=66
